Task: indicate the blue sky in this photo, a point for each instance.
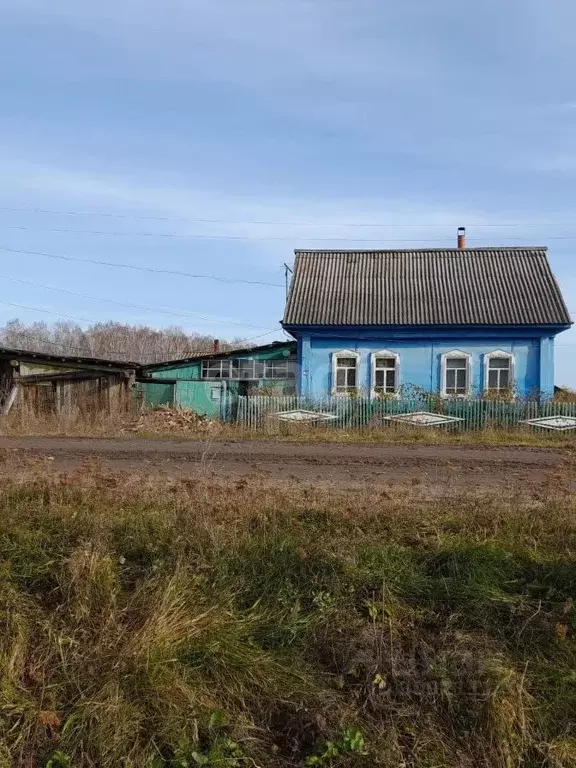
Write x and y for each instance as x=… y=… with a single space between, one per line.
x=316 y=115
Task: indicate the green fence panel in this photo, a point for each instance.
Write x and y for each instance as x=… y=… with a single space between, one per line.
x=156 y=393
x=268 y=412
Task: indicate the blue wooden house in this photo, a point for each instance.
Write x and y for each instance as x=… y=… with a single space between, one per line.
x=459 y=322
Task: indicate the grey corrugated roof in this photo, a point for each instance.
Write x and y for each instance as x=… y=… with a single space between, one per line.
x=274 y=345
x=475 y=286
x=70 y=360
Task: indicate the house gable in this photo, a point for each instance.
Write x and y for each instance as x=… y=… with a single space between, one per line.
x=472 y=287
x=424 y=306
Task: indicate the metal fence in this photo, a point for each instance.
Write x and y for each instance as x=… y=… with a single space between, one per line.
x=271 y=413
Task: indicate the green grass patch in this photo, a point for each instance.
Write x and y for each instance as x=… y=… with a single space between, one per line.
x=178 y=627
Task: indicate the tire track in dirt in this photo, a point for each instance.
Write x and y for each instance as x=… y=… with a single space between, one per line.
x=325 y=464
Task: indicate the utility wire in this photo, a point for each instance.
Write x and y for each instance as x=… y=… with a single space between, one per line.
x=249 y=238
x=89 y=320
x=47 y=311
x=261 y=335
x=188 y=315
x=82 y=352
x=252 y=238
x=282 y=223
x=139 y=268
x=79 y=351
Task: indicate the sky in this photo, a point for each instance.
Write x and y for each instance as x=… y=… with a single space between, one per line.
x=213 y=138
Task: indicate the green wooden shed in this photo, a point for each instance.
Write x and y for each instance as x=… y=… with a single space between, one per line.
x=210 y=384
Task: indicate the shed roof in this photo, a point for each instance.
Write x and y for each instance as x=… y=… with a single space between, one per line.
x=474 y=286
x=27 y=355
x=275 y=345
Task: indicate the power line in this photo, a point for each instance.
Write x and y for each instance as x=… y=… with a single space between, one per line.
x=252 y=238
x=82 y=352
x=188 y=315
x=90 y=213
x=196 y=236
x=47 y=311
x=261 y=335
x=134 y=217
x=88 y=320
x=139 y=268
x=240 y=238
x=79 y=351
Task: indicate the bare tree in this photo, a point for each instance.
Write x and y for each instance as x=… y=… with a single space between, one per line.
x=109 y=340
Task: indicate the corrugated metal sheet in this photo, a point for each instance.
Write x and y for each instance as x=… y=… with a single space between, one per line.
x=265 y=351
x=487 y=286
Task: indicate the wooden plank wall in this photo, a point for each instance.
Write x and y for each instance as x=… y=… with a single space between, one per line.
x=108 y=394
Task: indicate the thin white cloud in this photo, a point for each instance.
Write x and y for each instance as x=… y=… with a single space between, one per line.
x=229 y=41
x=233 y=215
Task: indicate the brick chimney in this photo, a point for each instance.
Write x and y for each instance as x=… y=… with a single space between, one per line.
x=461 y=238
x=216 y=346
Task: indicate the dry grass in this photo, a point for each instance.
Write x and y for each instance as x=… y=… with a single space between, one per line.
x=182 y=625
x=565 y=395
x=21 y=424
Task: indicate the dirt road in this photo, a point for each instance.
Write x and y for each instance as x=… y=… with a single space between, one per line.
x=279 y=463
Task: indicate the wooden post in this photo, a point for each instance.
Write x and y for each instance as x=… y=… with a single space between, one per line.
x=64 y=397
x=10 y=400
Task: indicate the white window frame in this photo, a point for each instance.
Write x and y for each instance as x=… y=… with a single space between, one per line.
x=335 y=357
x=208 y=366
x=455 y=353
x=511 y=377
x=373 y=357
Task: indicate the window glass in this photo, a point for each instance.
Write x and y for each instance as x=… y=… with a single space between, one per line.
x=385 y=362
x=345 y=374
x=385 y=375
x=212 y=369
x=456 y=376
x=499 y=377
x=246 y=369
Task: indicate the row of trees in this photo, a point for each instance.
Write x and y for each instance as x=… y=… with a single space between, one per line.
x=116 y=341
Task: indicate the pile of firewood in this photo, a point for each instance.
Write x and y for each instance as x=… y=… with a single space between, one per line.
x=168 y=420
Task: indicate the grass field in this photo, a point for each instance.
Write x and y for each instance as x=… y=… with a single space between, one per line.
x=21 y=424
x=185 y=625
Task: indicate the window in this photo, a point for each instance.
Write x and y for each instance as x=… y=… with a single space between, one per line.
x=246 y=369
x=345 y=372
x=279 y=369
x=385 y=369
x=215 y=369
x=243 y=368
x=455 y=374
x=498 y=375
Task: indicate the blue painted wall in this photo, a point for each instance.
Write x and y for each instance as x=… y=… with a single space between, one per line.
x=420 y=356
